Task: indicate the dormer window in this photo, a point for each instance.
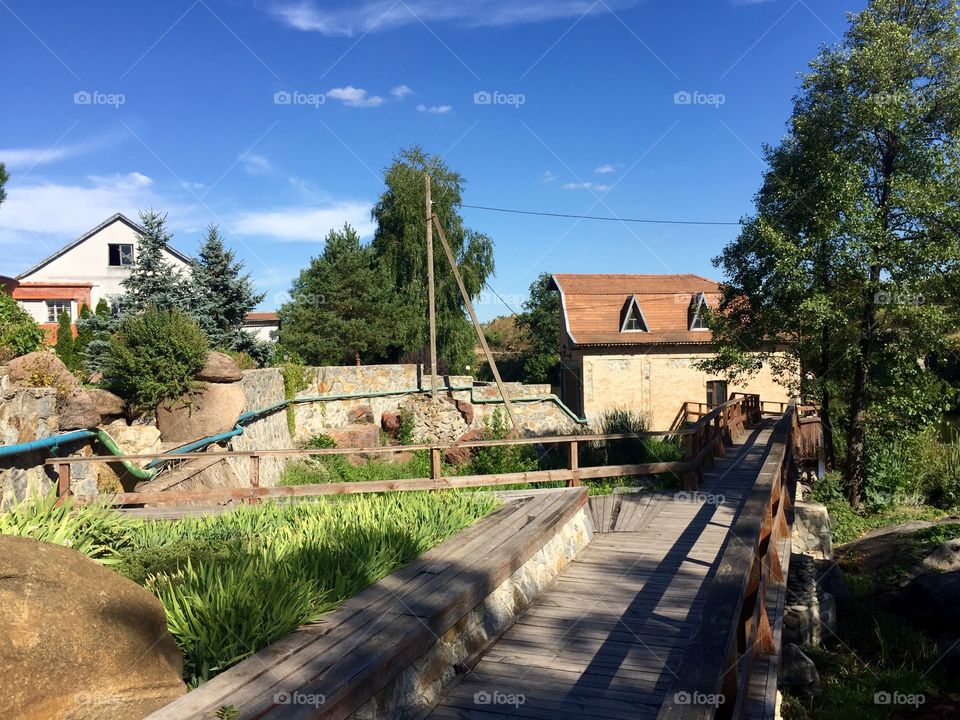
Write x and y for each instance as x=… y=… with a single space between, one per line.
x=632 y=319
x=120 y=254
x=698 y=312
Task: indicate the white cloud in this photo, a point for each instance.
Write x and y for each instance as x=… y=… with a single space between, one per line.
x=354 y=97
x=255 y=164
x=605 y=169
x=596 y=187
x=548 y=177
x=401 y=91
x=379 y=15
x=305 y=224
x=436 y=109
x=27 y=157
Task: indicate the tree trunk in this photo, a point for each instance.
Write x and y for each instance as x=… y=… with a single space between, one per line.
x=829 y=454
x=356 y=356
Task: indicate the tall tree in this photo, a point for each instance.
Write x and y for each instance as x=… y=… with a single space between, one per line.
x=3 y=181
x=852 y=257
x=93 y=335
x=225 y=294
x=153 y=280
x=342 y=307
x=539 y=325
x=400 y=246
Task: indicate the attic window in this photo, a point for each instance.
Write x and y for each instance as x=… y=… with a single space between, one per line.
x=698 y=312
x=632 y=319
x=120 y=254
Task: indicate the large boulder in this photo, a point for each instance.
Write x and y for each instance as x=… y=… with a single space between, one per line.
x=109 y=406
x=930 y=602
x=797 y=671
x=41 y=369
x=78 y=411
x=945 y=558
x=390 y=422
x=79 y=642
x=459 y=455
x=220 y=368
x=212 y=409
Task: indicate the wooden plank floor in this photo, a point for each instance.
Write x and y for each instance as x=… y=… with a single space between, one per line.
x=606 y=638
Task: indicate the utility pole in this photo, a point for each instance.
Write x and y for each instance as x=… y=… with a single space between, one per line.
x=431 y=298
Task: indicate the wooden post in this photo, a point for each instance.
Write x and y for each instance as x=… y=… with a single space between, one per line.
x=436 y=471
x=689 y=479
x=573 y=453
x=63 y=481
x=254 y=476
x=476 y=323
x=431 y=292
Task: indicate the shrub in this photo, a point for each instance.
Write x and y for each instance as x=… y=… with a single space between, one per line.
x=154 y=357
x=630 y=451
x=65 y=347
x=242 y=359
x=19 y=334
x=504 y=458
x=405 y=431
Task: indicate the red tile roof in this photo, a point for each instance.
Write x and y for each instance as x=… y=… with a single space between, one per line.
x=261 y=317
x=593 y=307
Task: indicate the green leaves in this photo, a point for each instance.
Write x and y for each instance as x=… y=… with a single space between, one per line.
x=19 y=333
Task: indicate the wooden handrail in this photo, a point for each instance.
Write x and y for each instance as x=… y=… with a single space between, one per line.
x=714 y=681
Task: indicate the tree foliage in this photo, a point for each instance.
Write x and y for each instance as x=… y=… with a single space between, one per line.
x=153 y=280
x=540 y=326
x=851 y=260
x=19 y=333
x=400 y=247
x=341 y=309
x=64 y=347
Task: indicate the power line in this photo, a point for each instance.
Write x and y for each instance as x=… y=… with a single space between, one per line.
x=490 y=287
x=600 y=217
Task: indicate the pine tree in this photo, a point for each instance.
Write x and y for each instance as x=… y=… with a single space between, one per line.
x=95 y=328
x=341 y=310
x=153 y=280
x=224 y=294
x=64 y=347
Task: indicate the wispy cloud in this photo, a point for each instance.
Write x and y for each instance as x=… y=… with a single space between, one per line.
x=255 y=164
x=401 y=91
x=354 y=97
x=356 y=18
x=436 y=109
x=548 y=176
x=304 y=224
x=27 y=157
x=605 y=169
x=596 y=187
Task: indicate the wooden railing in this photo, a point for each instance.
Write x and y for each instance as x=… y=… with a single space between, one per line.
x=703 y=440
x=735 y=631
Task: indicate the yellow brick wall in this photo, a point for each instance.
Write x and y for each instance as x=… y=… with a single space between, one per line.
x=658 y=383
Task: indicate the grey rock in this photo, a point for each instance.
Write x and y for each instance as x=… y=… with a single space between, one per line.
x=945 y=558
x=220 y=368
x=797 y=671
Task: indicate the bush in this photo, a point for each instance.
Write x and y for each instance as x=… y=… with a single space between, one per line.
x=19 y=334
x=65 y=347
x=504 y=458
x=154 y=357
x=631 y=451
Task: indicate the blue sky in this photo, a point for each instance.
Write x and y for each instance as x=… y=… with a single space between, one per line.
x=274 y=119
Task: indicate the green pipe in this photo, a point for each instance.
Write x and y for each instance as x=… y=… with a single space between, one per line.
x=110 y=444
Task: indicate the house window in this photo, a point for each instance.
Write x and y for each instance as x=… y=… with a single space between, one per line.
x=56 y=308
x=698 y=313
x=632 y=319
x=716 y=392
x=121 y=254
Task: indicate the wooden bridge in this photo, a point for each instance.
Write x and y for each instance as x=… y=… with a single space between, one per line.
x=672 y=609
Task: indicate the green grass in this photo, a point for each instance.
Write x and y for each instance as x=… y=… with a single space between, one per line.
x=231 y=584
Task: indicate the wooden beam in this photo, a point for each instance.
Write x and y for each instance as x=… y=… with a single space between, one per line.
x=431 y=292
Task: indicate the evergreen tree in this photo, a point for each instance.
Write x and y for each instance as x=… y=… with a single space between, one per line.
x=852 y=261
x=64 y=346
x=400 y=247
x=341 y=307
x=84 y=334
x=224 y=294
x=95 y=329
x=153 y=280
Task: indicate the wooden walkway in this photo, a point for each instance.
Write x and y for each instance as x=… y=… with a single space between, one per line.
x=608 y=637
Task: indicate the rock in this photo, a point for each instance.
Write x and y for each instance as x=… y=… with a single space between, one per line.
x=797 y=671
x=466 y=409
x=109 y=406
x=220 y=368
x=930 y=601
x=95 y=378
x=213 y=409
x=355 y=436
x=461 y=455
x=41 y=369
x=80 y=641
x=360 y=414
x=830 y=580
x=390 y=421
x=945 y=558
x=78 y=411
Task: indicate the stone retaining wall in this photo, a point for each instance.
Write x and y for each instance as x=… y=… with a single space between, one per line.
x=810 y=610
x=25 y=414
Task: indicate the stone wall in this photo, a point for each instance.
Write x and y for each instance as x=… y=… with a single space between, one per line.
x=814 y=581
x=25 y=414
x=421 y=685
x=263 y=388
